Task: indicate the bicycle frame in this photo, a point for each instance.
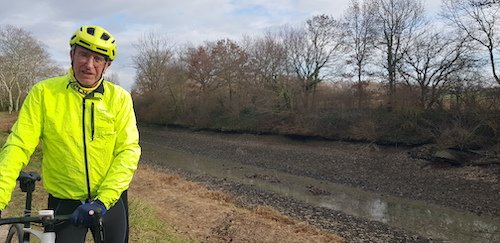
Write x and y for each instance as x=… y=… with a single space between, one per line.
x=45 y=217
x=45 y=237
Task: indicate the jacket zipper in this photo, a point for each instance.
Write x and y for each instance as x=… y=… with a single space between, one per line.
x=92 y=120
x=85 y=151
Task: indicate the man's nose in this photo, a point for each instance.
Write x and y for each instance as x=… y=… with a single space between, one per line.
x=89 y=61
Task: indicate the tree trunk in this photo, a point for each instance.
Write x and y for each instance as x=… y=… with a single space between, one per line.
x=9 y=95
x=493 y=69
x=16 y=105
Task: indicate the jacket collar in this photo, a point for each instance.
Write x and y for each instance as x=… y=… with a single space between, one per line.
x=97 y=92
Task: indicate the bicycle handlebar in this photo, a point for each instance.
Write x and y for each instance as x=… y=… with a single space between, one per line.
x=43 y=220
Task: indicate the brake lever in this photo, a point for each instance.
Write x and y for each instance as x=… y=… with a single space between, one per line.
x=99 y=225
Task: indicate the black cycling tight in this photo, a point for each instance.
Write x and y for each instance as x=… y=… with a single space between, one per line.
x=115 y=221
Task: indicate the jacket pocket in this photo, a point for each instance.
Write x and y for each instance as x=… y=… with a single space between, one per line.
x=104 y=136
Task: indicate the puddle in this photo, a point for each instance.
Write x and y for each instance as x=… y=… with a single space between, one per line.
x=426 y=219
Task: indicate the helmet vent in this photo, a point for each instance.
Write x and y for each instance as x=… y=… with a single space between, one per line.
x=105 y=36
x=102 y=49
x=90 y=31
x=85 y=43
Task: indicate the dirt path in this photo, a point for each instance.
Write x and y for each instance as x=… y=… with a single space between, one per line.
x=3 y=232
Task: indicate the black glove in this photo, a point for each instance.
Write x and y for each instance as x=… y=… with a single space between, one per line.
x=85 y=214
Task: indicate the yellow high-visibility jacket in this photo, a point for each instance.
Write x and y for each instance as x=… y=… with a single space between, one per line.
x=90 y=144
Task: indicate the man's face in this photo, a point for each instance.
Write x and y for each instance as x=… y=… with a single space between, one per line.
x=88 y=66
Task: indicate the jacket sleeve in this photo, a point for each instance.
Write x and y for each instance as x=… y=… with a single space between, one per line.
x=126 y=155
x=20 y=144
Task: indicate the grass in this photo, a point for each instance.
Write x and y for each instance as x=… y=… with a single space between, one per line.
x=145 y=225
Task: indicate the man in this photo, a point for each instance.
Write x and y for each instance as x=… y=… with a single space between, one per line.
x=90 y=141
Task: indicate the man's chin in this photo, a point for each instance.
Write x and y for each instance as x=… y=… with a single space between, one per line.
x=88 y=83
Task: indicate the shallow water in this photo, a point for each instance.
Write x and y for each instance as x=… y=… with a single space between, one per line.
x=423 y=218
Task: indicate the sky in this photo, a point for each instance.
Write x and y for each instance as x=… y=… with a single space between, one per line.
x=52 y=22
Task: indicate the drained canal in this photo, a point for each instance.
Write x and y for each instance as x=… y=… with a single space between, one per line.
x=426 y=219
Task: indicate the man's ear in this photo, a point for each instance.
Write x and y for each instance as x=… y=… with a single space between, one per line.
x=71 y=54
x=108 y=63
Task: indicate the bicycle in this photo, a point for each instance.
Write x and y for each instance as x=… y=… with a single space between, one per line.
x=21 y=229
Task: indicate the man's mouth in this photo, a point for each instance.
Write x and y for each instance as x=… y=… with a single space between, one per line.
x=87 y=73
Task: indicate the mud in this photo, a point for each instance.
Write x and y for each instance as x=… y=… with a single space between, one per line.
x=383 y=170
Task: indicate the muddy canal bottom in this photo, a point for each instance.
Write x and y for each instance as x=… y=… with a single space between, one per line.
x=423 y=218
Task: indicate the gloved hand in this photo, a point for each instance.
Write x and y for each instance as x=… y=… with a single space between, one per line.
x=85 y=213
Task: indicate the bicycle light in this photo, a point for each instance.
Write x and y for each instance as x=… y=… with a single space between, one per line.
x=46 y=214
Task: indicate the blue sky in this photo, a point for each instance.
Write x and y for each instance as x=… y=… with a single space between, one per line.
x=54 y=21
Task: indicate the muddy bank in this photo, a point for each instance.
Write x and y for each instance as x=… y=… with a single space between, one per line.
x=382 y=170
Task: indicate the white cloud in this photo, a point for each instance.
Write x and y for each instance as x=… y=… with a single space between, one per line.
x=53 y=21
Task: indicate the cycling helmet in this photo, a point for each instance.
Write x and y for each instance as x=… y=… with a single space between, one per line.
x=95 y=38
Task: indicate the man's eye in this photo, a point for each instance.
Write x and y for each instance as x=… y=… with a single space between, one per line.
x=99 y=59
x=83 y=54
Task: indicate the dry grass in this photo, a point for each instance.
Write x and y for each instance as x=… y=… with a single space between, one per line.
x=6 y=121
x=211 y=216
x=272 y=214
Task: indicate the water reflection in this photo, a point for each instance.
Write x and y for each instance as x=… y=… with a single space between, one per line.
x=426 y=219
x=378 y=210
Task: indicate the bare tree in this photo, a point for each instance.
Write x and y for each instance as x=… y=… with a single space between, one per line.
x=267 y=67
x=113 y=78
x=230 y=61
x=311 y=50
x=487 y=2
x=479 y=20
x=359 y=24
x=154 y=55
x=157 y=71
x=267 y=60
x=23 y=61
x=429 y=64
x=398 y=21
x=200 y=67
x=2 y=98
